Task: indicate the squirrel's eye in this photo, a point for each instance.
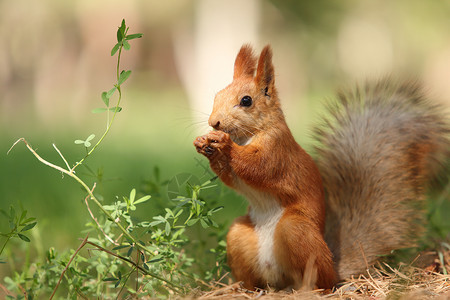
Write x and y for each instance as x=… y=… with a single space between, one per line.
x=246 y=101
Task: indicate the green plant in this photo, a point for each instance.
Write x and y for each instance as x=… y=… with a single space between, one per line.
x=129 y=256
x=19 y=224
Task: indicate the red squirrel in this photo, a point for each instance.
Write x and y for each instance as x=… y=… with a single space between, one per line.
x=377 y=150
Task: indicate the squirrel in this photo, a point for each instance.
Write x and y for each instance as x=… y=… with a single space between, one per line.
x=314 y=222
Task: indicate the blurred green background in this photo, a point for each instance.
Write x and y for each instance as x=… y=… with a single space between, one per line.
x=55 y=62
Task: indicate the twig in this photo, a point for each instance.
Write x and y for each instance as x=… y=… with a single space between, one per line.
x=95 y=219
x=144 y=271
x=82 y=183
x=68 y=264
x=60 y=154
x=6 y=291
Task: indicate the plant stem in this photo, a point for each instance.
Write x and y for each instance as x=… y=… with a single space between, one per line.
x=84 y=185
x=115 y=110
x=68 y=264
x=144 y=271
x=6 y=242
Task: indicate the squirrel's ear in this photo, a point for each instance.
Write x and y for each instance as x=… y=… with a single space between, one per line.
x=265 y=76
x=245 y=63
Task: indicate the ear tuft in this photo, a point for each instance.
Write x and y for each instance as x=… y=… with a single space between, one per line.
x=265 y=76
x=245 y=63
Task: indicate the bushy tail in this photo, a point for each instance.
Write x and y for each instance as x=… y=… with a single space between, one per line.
x=378 y=150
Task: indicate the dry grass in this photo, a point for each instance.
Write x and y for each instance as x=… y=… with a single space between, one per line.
x=430 y=281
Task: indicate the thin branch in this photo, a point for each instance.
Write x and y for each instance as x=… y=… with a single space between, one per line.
x=88 y=190
x=144 y=271
x=60 y=154
x=95 y=219
x=68 y=264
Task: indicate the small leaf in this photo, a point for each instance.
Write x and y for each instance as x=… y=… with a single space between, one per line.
x=123 y=26
x=192 y=222
x=116 y=109
x=157 y=258
x=133 y=36
x=115 y=48
x=87 y=144
x=204 y=223
x=105 y=100
x=23 y=237
x=130 y=251
x=117 y=283
x=143 y=199
x=110 y=279
x=121 y=247
x=90 y=137
x=111 y=92
x=132 y=195
x=156 y=173
x=123 y=76
x=126 y=45
x=29 y=226
x=22 y=216
x=167 y=229
x=99 y=110
x=154 y=223
x=78 y=142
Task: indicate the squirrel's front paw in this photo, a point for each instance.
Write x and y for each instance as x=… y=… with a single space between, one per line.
x=209 y=144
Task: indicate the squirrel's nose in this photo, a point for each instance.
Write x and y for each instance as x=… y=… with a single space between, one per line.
x=214 y=123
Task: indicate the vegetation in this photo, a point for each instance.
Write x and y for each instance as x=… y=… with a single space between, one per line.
x=127 y=256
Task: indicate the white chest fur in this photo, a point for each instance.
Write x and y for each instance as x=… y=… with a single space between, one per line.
x=265 y=212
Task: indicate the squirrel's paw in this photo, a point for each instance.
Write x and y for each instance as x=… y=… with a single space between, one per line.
x=209 y=143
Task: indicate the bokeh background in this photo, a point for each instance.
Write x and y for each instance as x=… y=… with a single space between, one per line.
x=55 y=62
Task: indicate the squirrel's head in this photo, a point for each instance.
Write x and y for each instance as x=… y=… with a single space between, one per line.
x=250 y=103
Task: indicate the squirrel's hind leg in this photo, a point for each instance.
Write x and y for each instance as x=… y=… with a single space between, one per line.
x=242 y=252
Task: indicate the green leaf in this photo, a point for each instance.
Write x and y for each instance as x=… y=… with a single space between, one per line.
x=117 y=283
x=214 y=210
x=29 y=226
x=121 y=247
x=109 y=207
x=23 y=215
x=110 y=279
x=23 y=237
x=116 y=109
x=99 y=110
x=111 y=92
x=154 y=223
x=123 y=76
x=121 y=31
x=133 y=36
x=115 y=48
x=157 y=258
x=126 y=45
x=143 y=199
x=130 y=251
x=119 y=35
x=204 y=223
x=192 y=222
x=12 y=213
x=167 y=229
x=78 y=142
x=87 y=144
x=105 y=100
x=132 y=195
x=90 y=137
